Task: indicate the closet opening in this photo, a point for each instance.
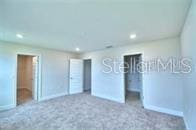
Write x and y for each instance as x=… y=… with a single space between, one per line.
x=87 y=76
x=133 y=79
x=27 y=79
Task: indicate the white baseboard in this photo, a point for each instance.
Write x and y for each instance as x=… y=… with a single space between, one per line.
x=164 y=110
x=6 y=107
x=108 y=98
x=52 y=96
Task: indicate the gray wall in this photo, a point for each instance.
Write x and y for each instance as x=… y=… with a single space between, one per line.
x=188 y=39
x=54 y=74
x=162 y=91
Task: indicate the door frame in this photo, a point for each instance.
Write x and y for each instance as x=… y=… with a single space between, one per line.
x=142 y=91
x=38 y=86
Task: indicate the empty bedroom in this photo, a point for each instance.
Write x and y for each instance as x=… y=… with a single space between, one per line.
x=97 y=64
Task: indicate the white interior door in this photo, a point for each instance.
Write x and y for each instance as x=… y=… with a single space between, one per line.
x=76 y=76
x=35 y=77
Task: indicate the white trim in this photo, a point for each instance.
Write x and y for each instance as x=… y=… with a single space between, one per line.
x=164 y=110
x=186 y=123
x=39 y=89
x=53 y=96
x=111 y=98
x=6 y=107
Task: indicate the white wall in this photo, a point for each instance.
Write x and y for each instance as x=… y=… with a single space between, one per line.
x=188 y=39
x=54 y=72
x=162 y=91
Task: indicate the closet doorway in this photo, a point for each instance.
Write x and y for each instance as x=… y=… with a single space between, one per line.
x=27 y=78
x=87 y=76
x=133 y=79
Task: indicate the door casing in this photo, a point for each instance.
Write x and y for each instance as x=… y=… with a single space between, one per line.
x=37 y=87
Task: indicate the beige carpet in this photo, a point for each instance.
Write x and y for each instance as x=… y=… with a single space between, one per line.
x=83 y=111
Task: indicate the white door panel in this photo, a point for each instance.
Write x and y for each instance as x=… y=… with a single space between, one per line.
x=35 y=77
x=76 y=76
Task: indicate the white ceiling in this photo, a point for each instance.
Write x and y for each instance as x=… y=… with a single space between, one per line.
x=90 y=24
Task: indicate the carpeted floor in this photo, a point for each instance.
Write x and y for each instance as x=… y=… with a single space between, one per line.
x=83 y=111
